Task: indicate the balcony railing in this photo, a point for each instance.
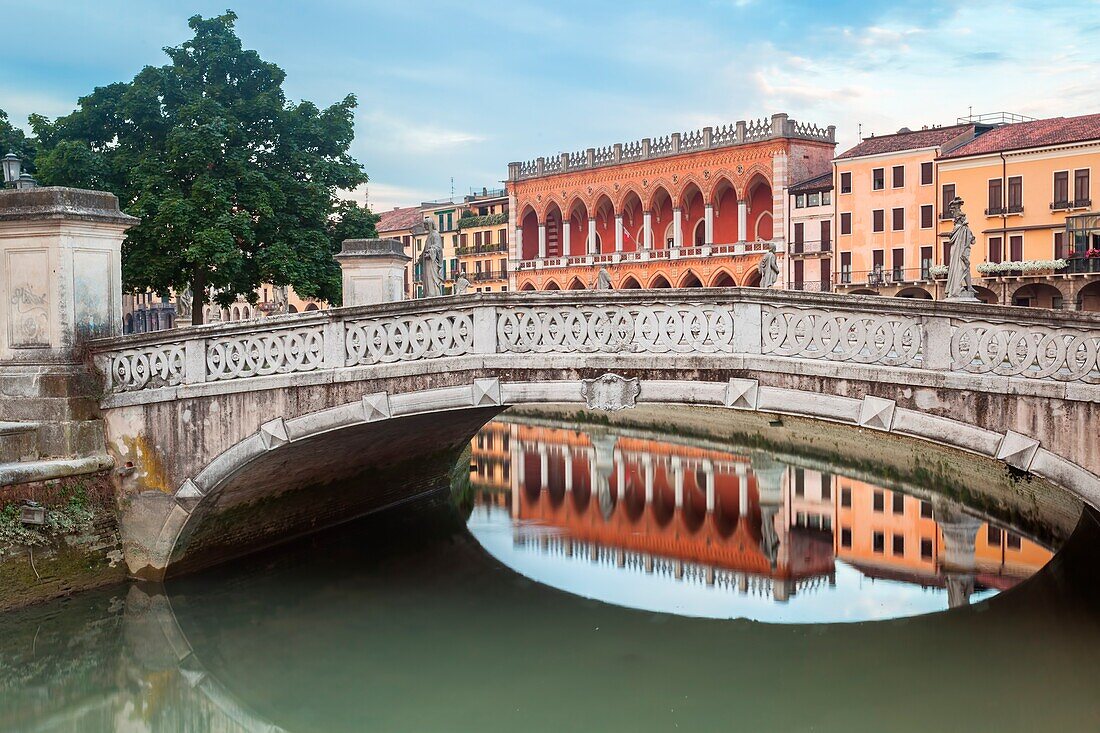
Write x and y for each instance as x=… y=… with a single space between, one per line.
x=645 y=255
x=483 y=249
x=882 y=277
x=812 y=246
x=486 y=275
x=996 y=211
x=811 y=286
x=1070 y=204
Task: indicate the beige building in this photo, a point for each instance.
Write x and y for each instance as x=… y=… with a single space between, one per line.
x=810 y=238
x=483 y=241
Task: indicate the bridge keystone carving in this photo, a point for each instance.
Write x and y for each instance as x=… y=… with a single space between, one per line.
x=610 y=393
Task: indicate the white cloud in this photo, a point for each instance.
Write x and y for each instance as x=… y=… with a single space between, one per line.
x=414 y=138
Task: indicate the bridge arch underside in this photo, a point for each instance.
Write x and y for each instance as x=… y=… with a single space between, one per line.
x=242 y=469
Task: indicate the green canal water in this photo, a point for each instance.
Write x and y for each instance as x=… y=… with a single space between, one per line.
x=583 y=580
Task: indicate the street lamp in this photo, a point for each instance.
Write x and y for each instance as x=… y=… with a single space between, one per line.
x=13 y=166
x=26 y=180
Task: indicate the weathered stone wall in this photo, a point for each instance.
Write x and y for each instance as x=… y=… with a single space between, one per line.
x=81 y=550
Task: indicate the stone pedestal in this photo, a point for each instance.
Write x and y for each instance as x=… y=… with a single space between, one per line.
x=373 y=271
x=61 y=265
x=60 y=284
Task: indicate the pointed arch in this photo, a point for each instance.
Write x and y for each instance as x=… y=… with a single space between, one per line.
x=630 y=283
x=690 y=280
x=527 y=287
x=554 y=222
x=576 y=284
x=723 y=279
x=603 y=211
x=660 y=206
x=751 y=278
x=659 y=281
x=528 y=232
x=551 y=285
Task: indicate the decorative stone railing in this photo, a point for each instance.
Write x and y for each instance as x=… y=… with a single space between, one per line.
x=708 y=138
x=974 y=342
x=702 y=251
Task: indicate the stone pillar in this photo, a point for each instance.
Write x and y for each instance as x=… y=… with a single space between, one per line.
x=708 y=224
x=708 y=473
x=373 y=271
x=678 y=481
x=618 y=232
x=592 y=248
x=60 y=272
x=742 y=220
x=677 y=227
x=647 y=462
x=544 y=468
x=568 y=469
x=542 y=240
x=647 y=231
x=566 y=231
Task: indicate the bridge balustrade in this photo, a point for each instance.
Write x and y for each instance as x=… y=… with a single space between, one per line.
x=910 y=334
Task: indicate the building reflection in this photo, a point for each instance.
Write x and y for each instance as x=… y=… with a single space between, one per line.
x=743 y=522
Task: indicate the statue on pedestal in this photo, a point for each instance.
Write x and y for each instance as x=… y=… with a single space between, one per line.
x=769 y=267
x=603 y=279
x=462 y=285
x=431 y=262
x=961 y=239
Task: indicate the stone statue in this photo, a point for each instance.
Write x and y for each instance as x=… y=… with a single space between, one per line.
x=462 y=285
x=282 y=297
x=603 y=279
x=431 y=262
x=769 y=267
x=961 y=239
x=184 y=303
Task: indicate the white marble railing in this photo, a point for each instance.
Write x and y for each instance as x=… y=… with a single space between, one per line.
x=703 y=251
x=968 y=340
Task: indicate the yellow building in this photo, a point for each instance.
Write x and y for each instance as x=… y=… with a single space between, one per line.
x=1027 y=189
x=407 y=225
x=483 y=241
x=886 y=211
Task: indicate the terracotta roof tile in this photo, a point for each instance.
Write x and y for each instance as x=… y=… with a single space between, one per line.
x=824 y=182
x=900 y=141
x=1035 y=134
x=399 y=219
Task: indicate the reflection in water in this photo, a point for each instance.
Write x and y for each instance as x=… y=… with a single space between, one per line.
x=626 y=518
x=402 y=621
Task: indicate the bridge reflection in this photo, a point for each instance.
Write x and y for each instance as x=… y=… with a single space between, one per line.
x=745 y=522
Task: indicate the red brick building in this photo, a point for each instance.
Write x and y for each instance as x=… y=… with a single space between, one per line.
x=683 y=210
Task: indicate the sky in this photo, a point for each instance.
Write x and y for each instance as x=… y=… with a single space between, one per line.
x=455 y=91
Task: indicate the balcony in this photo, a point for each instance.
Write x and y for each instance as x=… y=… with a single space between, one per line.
x=673 y=253
x=811 y=286
x=812 y=247
x=484 y=249
x=1070 y=205
x=884 y=277
x=488 y=275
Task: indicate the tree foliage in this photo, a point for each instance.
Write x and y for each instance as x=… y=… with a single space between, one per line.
x=14 y=140
x=234 y=185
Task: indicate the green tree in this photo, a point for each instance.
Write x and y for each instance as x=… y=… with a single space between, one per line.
x=234 y=185
x=14 y=140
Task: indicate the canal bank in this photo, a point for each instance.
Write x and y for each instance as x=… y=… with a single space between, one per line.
x=76 y=547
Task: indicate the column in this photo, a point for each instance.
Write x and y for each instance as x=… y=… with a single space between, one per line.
x=542 y=240
x=518 y=240
x=647 y=230
x=568 y=469
x=678 y=481
x=742 y=220
x=677 y=227
x=565 y=232
x=592 y=248
x=708 y=225
x=544 y=469
x=649 y=474
x=618 y=232
x=708 y=473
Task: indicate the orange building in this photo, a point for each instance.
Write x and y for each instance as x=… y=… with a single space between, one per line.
x=683 y=210
x=483 y=241
x=886 y=211
x=1027 y=189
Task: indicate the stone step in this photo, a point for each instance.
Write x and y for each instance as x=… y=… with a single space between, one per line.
x=18 y=441
x=23 y=472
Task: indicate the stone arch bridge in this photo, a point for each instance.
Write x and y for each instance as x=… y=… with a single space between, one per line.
x=228 y=437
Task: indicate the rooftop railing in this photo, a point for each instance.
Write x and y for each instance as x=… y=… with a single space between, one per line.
x=708 y=138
